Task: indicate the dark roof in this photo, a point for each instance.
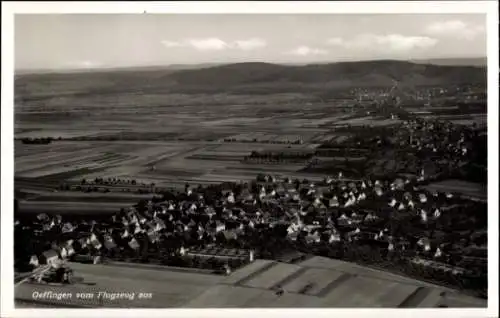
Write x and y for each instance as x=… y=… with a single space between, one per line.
x=50 y=253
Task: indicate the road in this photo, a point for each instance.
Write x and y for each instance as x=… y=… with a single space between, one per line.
x=21 y=278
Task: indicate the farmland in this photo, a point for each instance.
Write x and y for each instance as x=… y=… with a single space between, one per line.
x=183 y=142
x=330 y=286
x=114 y=279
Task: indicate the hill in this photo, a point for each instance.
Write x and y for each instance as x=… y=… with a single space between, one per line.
x=247 y=78
x=369 y=73
x=474 y=61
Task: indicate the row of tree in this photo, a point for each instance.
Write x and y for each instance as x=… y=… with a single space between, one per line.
x=37 y=141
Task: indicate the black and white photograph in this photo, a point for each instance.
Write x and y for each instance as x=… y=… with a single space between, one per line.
x=251 y=160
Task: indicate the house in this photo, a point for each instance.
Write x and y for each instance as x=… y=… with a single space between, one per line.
x=424 y=243
x=42 y=217
x=318 y=204
x=393 y=203
x=438 y=253
x=219 y=226
x=246 y=195
x=361 y=196
x=230 y=235
x=159 y=225
x=333 y=202
x=293 y=236
x=349 y=202
x=423 y=216
x=138 y=229
x=313 y=237
x=70 y=251
x=94 y=241
x=109 y=243
x=64 y=253
x=334 y=237
x=357 y=218
x=230 y=198
x=50 y=257
x=134 y=244
x=34 y=261
x=437 y=213
x=125 y=234
x=371 y=217
x=344 y=220
x=153 y=236
x=67 y=227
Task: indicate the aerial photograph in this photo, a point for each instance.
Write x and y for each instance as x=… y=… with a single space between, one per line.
x=250 y=161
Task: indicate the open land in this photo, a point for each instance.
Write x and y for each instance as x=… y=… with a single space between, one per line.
x=183 y=144
x=332 y=285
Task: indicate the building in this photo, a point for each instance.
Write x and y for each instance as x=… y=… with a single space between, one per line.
x=50 y=257
x=221 y=253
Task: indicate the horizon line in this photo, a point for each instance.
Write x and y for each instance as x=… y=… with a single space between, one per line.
x=125 y=67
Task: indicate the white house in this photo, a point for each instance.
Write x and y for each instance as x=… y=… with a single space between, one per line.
x=34 y=261
x=423 y=216
x=437 y=213
x=393 y=202
x=134 y=244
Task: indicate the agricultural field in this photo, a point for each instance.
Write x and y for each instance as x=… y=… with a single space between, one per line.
x=119 y=279
x=334 y=138
x=86 y=207
x=177 y=151
x=468 y=189
x=369 y=121
x=322 y=282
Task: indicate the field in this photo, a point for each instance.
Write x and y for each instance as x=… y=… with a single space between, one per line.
x=113 y=279
x=182 y=143
x=369 y=121
x=178 y=145
x=457 y=186
x=330 y=286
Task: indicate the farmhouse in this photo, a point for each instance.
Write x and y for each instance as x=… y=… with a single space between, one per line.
x=49 y=257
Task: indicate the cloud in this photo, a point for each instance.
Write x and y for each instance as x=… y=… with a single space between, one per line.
x=216 y=44
x=209 y=44
x=393 y=42
x=167 y=43
x=307 y=51
x=455 y=28
x=336 y=41
x=250 y=44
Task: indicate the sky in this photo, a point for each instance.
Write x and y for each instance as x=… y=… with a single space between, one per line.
x=72 y=41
